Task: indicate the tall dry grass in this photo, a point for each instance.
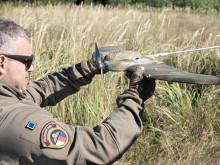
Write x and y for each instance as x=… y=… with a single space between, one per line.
x=181 y=122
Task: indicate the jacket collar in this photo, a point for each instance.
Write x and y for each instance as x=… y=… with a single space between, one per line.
x=9 y=91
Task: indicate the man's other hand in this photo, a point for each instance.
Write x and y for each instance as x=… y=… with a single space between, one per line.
x=140 y=85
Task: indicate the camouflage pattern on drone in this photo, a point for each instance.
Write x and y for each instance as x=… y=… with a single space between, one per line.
x=114 y=60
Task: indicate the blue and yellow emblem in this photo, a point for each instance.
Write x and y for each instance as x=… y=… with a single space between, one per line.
x=31 y=125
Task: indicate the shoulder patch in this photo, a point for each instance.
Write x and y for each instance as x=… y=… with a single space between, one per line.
x=53 y=136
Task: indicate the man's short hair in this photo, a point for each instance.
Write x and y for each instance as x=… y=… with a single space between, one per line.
x=9 y=33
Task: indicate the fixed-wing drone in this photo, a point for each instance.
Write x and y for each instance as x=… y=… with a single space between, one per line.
x=119 y=60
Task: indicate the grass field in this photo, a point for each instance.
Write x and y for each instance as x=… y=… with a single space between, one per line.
x=181 y=122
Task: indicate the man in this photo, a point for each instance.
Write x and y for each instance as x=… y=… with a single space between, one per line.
x=31 y=135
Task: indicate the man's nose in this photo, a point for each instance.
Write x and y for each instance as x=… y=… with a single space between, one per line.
x=31 y=69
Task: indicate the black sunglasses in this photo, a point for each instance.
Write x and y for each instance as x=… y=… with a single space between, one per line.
x=27 y=60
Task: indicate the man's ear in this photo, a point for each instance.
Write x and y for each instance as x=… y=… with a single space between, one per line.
x=2 y=64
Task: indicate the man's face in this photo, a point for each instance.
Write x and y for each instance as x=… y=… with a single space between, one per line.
x=16 y=72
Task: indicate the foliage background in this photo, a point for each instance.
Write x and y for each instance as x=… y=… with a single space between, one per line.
x=181 y=121
x=193 y=4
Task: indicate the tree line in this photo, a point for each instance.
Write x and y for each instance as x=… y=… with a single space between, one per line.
x=193 y=4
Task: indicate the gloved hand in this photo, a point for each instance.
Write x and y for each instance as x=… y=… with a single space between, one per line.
x=90 y=68
x=139 y=85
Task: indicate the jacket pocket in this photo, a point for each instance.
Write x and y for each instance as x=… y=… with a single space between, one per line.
x=33 y=128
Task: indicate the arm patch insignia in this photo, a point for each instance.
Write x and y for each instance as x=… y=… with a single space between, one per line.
x=53 y=136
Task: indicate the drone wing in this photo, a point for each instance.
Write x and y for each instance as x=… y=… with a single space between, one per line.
x=169 y=73
x=153 y=68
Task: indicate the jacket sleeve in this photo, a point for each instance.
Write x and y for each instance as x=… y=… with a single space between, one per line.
x=52 y=88
x=103 y=144
x=107 y=142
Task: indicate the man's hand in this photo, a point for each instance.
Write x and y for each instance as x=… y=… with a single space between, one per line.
x=90 y=68
x=141 y=86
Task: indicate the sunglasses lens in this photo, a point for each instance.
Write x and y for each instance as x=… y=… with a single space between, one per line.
x=29 y=63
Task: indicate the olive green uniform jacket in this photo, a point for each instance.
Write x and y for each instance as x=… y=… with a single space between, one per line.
x=31 y=135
